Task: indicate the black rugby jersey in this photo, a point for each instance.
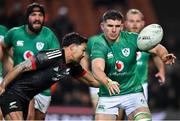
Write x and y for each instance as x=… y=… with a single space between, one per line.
x=48 y=68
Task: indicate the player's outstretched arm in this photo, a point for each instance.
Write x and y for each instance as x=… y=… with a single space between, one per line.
x=161 y=51
x=22 y=67
x=161 y=69
x=98 y=66
x=89 y=79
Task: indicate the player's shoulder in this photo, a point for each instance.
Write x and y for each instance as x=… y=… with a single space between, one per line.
x=94 y=37
x=3 y=27
x=97 y=38
x=3 y=30
x=17 y=29
x=129 y=34
x=46 y=29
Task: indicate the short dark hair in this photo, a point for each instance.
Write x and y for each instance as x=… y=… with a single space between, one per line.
x=34 y=7
x=112 y=14
x=73 y=38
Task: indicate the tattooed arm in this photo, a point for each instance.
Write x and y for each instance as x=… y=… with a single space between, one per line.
x=22 y=67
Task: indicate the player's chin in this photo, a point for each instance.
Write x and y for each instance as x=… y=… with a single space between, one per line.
x=113 y=38
x=37 y=27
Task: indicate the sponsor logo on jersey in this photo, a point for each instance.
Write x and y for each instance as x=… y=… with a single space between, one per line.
x=110 y=55
x=138 y=58
x=39 y=45
x=138 y=55
x=119 y=66
x=126 y=52
x=20 y=43
x=28 y=54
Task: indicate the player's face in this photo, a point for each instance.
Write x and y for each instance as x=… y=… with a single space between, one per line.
x=79 y=52
x=35 y=21
x=134 y=23
x=111 y=29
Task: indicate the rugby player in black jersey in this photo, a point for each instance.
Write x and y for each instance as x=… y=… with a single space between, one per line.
x=40 y=72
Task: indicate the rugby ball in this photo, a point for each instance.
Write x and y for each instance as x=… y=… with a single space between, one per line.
x=149 y=37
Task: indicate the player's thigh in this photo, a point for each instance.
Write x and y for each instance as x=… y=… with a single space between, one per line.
x=13 y=107
x=31 y=111
x=39 y=115
x=136 y=106
x=17 y=115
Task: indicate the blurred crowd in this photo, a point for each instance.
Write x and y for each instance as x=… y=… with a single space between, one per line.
x=67 y=93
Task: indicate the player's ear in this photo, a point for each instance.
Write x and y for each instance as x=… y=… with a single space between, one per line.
x=143 y=23
x=102 y=26
x=122 y=26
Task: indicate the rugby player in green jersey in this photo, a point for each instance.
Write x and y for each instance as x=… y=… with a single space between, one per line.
x=114 y=64
x=134 y=22
x=28 y=40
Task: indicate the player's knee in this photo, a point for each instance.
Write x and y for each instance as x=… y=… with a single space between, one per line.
x=143 y=116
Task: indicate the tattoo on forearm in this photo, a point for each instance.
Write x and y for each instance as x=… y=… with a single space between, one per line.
x=26 y=65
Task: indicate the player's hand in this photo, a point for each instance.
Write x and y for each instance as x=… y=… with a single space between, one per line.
x=169 y=59
x=161 y=78
x=113 y=87
x=2 y=89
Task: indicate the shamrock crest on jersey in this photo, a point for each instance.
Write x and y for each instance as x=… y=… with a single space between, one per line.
x=126 y=52
x=39 y=45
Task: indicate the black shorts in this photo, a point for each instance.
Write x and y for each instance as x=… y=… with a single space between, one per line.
x=11 y=102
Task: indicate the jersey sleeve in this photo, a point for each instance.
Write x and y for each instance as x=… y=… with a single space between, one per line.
x=77 y=71
x=48 y=58
x=89 y=45
x=8 y=38
x=98 y=50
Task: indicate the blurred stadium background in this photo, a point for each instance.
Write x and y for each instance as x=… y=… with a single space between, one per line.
x=71 y=99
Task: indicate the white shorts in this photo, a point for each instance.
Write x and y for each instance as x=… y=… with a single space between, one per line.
x=42 y=102
x=128 y=102
x=94 y=93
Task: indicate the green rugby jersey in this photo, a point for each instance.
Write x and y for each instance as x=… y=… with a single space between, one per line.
x=3 y=31
x=120 y=62
x=25 y=45
x=90 y=43
x=142 y=66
